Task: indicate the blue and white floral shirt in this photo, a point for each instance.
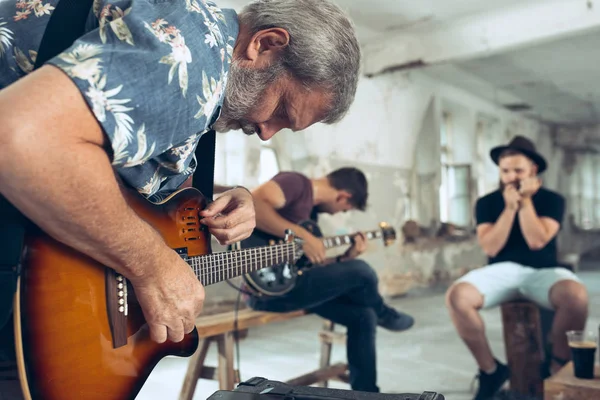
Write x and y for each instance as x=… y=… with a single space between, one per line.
x=152 y=71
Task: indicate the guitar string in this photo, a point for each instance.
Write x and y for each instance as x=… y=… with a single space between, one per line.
x=207 y=268
x=208 y=271
x=237 y=259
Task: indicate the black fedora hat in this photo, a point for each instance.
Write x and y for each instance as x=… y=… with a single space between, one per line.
x=522 y=145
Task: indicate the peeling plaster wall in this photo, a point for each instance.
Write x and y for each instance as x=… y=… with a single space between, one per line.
x=392 y=133
x=568 y=144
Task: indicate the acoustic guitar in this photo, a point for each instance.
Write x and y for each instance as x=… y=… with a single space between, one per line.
x=80 y=333
x=280 y=279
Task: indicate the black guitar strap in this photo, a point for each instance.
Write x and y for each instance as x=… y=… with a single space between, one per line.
x=204 y=177
x=66 y=24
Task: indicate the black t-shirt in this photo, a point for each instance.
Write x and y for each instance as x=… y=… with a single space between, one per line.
x=547 y=204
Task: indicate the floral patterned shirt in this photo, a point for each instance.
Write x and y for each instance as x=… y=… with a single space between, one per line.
x=152 y=71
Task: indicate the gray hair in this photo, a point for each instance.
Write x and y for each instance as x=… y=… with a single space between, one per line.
x=323 y=51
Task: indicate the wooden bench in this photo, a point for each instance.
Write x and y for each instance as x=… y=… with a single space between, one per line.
x=220 y=329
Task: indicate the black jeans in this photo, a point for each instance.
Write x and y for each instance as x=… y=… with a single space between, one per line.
x=347 y=294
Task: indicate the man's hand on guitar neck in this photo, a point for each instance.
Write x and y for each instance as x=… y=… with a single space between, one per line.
x=358 y=247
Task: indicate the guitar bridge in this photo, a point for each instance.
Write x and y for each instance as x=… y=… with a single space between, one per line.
x=116 y=306
x=122 y=293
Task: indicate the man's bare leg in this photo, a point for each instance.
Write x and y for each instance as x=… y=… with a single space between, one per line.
x=570 y=300
x=464 y=302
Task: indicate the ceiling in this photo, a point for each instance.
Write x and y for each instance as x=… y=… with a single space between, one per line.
x=560 y=80
x=376 y=17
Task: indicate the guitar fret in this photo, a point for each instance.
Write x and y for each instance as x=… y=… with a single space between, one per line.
x=222 y=271
x=213 y=268
x=217 y=274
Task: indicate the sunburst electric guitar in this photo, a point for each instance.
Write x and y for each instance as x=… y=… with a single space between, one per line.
x=80 y=333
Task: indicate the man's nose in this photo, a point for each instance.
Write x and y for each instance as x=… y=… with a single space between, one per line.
x=270 y=128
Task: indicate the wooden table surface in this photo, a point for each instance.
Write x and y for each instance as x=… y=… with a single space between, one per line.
x=565 y=386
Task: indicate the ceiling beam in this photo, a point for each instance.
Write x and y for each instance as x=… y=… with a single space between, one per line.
x=481 y=35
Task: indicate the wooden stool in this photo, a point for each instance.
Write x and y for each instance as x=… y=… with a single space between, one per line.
x=326 y=371
x=524 y=346
x=219 y=329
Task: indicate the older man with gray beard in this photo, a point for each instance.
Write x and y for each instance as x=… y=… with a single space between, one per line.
x=128 y=102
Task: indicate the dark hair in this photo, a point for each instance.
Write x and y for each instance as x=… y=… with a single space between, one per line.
x=353 y=181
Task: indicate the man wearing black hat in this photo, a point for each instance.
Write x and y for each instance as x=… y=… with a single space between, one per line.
x=517 y=226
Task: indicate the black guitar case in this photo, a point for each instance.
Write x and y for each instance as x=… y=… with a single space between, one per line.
x=264 y=389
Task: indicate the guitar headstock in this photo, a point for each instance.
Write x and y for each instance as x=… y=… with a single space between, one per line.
x=388 y=233
x=291 y=238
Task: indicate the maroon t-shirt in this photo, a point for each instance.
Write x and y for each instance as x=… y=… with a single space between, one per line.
x=298 y=193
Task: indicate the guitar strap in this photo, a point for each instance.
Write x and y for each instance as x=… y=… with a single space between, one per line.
x=204 y=177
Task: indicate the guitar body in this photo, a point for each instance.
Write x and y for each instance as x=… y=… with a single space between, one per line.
x=279 y=279
x=73 y=339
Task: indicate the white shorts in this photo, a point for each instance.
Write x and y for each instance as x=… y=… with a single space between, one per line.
x=506 y=281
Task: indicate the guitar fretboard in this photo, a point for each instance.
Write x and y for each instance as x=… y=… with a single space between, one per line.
x=335 y=241
x=213 y=268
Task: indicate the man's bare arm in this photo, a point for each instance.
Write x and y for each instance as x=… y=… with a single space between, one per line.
x=54 y=168
x=268 y=198
x=492 y=237
x=536 y=231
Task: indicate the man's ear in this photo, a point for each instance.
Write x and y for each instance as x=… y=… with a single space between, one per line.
x=265 y=45
x=343 y=195
x=535 y=168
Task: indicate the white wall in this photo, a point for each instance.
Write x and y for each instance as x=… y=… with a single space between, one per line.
x=392 y=134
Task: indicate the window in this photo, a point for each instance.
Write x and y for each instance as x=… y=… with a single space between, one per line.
x=236 y=156
x=456 y=192
x=455 y=187
x=584 y=196
x=487 y=135
x=269 y=165
x=230 y=156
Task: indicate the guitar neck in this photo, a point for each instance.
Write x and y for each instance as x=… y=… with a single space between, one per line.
x=218 y=267
x=341 y=240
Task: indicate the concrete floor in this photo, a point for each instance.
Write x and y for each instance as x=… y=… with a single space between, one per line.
x=430 y=356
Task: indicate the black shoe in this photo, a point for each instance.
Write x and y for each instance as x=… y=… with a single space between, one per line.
x=490 y=384
x=394 y=320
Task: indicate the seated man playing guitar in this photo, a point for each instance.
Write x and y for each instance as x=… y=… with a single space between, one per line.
x=346 y=290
